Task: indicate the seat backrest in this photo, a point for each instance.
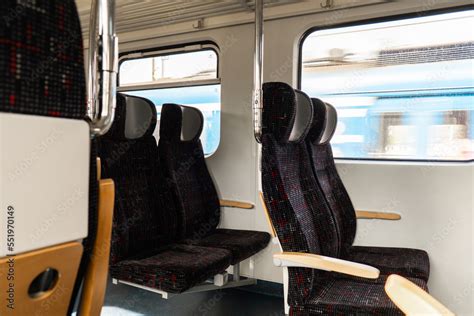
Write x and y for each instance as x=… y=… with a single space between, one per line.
x=184 y=164
x=144 y=215
x=42 y=67
x=295 y=204
x=42 y=62
x=324 y=167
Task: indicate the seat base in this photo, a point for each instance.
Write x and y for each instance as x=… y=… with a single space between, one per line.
x=347 y=297
x=403 y=261
x=241 y=243
x=174 y=269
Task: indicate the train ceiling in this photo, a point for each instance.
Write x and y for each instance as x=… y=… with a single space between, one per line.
x=140 y=14
x=135 y=15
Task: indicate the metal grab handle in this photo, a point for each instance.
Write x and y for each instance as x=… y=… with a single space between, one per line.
x=102 y=66
x=257 y=104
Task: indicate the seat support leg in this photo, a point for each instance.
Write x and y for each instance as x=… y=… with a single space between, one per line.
x=236 y=272
x=285 y=290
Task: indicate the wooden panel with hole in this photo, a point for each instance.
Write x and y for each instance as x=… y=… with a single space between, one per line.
x=39 y=282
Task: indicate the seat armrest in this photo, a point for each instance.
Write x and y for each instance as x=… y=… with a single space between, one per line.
x=312 y=261
x=411 y=299
x=236 y=204
x=378 y=215
x=99 y=168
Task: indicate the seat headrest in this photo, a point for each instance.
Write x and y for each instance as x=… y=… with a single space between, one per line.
x=180 y=123
x=287 y=113
x=135 y=117
x=324 y=122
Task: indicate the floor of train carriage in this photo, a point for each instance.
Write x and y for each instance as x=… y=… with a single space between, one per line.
x=124 y=300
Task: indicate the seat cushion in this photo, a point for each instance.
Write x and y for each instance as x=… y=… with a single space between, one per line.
x=403 y=261
x=174 y=269
x=241 y=243
x=345 y=297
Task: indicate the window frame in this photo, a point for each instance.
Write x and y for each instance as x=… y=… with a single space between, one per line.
x=390 y=18
x=167 y=51
x=173 y=50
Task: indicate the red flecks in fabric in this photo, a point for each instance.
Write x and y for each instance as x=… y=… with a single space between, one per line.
x=68 y=83
x=274 y=204
x=17 y=44
x=282 y=222
x=29 y=32
x=305 y=291
x=12 y=99
x=61 y=17
x=299 y=279
x=13 y=62
x=274 y=174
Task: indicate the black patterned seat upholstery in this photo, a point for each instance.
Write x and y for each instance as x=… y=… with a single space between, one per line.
x=196 y=197
x=349 y=297
x=403 y=261
x=301 y=218
x=145 y=226
x=42 y=62
x=173 y=268
x=42 y=69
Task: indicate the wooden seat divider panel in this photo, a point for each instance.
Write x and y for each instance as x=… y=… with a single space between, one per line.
x=18 y=272
x=95 y=282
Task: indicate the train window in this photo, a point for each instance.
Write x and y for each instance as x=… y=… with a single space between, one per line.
x=403 y=89
x=178 y=76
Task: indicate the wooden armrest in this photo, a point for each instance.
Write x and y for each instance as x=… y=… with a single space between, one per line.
x=236 y=204
x=378 y=215
x=306 y=260
x=411 y=299
x=95 y=281
x=267 y=215
x=99 y=168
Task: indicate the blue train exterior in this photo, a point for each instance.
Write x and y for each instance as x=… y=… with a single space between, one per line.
x=421 y=95
x=206 y=98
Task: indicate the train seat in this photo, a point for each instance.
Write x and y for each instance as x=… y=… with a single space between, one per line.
x=43 y=112
x=402 y=261
x=319 y=281
x=185 y=167
x=144 y=248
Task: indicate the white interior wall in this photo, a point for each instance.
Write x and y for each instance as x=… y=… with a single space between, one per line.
x=435 y=201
